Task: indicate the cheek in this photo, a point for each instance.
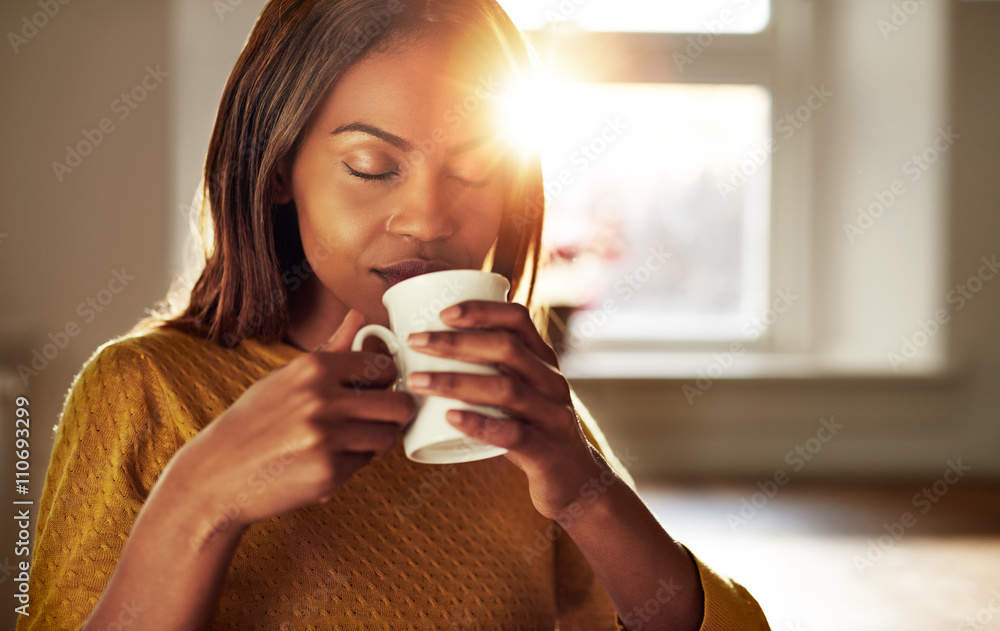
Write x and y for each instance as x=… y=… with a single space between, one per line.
x=331 y=220
x=482 y=213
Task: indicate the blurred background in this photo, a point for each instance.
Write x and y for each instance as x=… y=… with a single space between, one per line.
x=774 y=227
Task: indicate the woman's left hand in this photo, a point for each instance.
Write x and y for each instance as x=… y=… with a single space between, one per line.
x=542 y=433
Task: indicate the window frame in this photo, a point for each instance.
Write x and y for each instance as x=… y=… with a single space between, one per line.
x=779 y=58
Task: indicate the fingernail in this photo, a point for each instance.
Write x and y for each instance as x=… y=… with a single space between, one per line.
x=419 y=339
x=418 y=380
x=453 y=416
x=452 y=312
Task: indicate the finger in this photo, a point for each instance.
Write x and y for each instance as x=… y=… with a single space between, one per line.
x=356 y=436
x=507 y=392
x=514 y=317
x=357 y=370
x=348 y=464
x=497 y=347
x=344 y=335
x=507 y=433
x=395 y=408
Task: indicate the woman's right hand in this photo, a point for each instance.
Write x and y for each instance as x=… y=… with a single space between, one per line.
x=294 y=437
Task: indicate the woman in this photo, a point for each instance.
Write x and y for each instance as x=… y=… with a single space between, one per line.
x=220 y=469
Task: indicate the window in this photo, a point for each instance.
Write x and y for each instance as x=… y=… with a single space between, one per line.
x=657 y=145
x=638 y=16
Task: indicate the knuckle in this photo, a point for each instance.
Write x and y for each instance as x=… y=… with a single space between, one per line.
x=312 y=367
x=313 y=436
x=447 y=382
x=516 y=436
x=312 y=409
x=325 y=475
x=407 y=405
x=507 y=390
x=382 y=362
x=509 y=346
x=386 y=441
x=447 y=339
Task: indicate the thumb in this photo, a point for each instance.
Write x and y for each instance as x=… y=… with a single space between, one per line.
x=344 y=335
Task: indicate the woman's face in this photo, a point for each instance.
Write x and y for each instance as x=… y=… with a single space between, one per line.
x=400 y=173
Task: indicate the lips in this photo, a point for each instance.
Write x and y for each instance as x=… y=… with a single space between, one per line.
x=398 y=272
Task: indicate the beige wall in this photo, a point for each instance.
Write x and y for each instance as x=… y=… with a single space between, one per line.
x=65 y=238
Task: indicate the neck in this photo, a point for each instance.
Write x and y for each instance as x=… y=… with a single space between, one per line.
x=314 y=315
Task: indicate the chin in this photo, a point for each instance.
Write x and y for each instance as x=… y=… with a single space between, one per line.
x=377 y=314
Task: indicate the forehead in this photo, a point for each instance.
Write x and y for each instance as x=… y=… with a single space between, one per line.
x=419 y=87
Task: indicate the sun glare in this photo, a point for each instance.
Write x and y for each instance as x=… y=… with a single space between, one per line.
x=525 y=111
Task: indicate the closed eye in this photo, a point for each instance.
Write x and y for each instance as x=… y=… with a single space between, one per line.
x=472 y=183
x=370 y=177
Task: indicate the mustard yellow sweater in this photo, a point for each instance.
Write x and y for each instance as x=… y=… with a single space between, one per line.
x=401 y=545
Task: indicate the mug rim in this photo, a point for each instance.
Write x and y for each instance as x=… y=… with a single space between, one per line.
x=412 y=281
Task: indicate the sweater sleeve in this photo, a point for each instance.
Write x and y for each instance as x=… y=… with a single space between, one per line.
x=583 y=604
x=100 y=473
x=728 y=605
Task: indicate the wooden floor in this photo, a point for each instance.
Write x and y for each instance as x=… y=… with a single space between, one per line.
x=848 y=557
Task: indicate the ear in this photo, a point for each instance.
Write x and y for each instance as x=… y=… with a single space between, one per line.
x=282 y=184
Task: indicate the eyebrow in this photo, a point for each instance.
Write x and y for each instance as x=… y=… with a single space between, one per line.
x=401 y=143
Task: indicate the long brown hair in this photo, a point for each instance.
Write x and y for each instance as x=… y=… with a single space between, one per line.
x=297 y=49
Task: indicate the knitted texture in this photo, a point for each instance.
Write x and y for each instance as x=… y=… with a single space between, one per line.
x=401 y=545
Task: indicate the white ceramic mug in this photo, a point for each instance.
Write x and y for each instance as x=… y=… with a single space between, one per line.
x=415 y=305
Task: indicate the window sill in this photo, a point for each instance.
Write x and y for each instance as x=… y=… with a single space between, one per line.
x=748 y=366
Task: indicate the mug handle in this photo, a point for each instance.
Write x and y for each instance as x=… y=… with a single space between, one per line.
x=387 y=336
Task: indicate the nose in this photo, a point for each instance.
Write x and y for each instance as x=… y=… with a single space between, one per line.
x=424 y=212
